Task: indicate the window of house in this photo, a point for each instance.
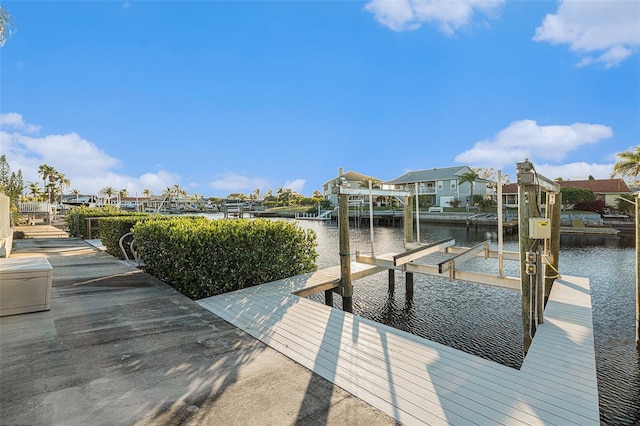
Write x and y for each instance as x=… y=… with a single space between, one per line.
x=440 y=185
x=453 y=184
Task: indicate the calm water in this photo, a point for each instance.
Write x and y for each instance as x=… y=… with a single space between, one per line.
x=486 y=321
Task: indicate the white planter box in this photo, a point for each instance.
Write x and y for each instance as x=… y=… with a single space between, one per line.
x=25 y=285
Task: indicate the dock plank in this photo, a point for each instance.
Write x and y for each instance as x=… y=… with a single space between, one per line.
x=418 y=381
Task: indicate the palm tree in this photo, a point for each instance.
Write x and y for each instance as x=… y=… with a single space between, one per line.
x=47 y=172
x=63 y=182
x=76 y=192
x=34 y=190
x=147 y=193
x=628 y=165
x=469 y=177
x=108 y=192
x=6 y=26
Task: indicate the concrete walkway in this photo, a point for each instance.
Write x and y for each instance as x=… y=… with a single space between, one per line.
x=121 y=347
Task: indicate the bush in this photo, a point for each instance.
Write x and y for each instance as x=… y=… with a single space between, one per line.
x=76 y=220
x=202 y=258
x=590 y=206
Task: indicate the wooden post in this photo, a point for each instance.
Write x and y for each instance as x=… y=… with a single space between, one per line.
x=345 y=255
x=553 y=247
x=409 y=285
x=408 y=220
x=392 y=281
x=527 y=192
x=328 y=297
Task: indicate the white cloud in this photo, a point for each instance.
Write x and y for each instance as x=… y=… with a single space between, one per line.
x=295 y=185
x=608 y=29
x=575 y=171
x=526 y=139
x=87 y=166
x=449 y=16
x=15 y=121
x=233 y=182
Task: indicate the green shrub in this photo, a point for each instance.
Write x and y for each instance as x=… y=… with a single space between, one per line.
x=202 y=257
x=113 y=228
x=76 y=220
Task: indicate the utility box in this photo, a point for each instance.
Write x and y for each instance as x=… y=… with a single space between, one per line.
x=539 y=228
x=25 y=285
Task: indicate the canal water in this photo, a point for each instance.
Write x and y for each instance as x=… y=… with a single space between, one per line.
x=486 y=321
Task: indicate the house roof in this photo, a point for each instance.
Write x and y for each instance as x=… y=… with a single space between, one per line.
x=429 y=175
x=352 y=176
x=598 y=186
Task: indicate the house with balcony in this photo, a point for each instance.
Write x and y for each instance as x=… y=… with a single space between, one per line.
x=439 y=186
x=351 y=179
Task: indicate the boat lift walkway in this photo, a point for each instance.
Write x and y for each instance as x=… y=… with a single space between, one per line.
x=418 y=381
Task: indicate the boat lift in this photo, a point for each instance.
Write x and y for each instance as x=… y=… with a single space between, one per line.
x=534 y=230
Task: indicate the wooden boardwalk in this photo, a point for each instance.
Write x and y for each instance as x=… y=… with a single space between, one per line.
x=418 y=381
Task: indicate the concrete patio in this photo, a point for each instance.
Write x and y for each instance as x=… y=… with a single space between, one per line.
x=121 y=347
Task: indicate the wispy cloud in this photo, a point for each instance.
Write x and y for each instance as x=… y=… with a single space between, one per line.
x=575 y=171
x=526 y=139
x=233 y=182
x=13 y=120
x=88 y=167
x=448 y=16
x=605 y=32
x=296 y=185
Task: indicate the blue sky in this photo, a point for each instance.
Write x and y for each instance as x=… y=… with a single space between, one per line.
x=229 y=96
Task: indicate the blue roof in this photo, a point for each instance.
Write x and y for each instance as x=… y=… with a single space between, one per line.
x=428 y=175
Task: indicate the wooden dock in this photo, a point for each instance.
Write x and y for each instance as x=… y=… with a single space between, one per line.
x=418 y=381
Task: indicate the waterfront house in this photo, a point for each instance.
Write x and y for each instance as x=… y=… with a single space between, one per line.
x=439 y=186
x=351 y=179
x=606 y=190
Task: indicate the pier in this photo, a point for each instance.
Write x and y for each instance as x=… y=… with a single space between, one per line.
x=417 y=381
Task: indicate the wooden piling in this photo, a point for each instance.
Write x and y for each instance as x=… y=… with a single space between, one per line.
x=527 y=192
x=408 y=220
x=552 y=246
x=408 y=285
x=392 y=281
x=328 y=297
x=345 y=255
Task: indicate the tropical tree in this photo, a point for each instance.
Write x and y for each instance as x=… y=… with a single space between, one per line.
x=62 y=182
x=124 y=192
x=47 y=172
x=34 y=190
x=628 y=165
x=76 y=192
x=469 y=177
x=147 y=192
x=6 y=26
x=107 y=192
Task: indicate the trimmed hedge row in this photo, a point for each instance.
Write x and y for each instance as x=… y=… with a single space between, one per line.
x=201 y=257
x=76 y=220
x=114 y=227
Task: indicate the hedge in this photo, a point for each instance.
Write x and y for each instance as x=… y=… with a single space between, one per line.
x=201 y=257
x=76 y=220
